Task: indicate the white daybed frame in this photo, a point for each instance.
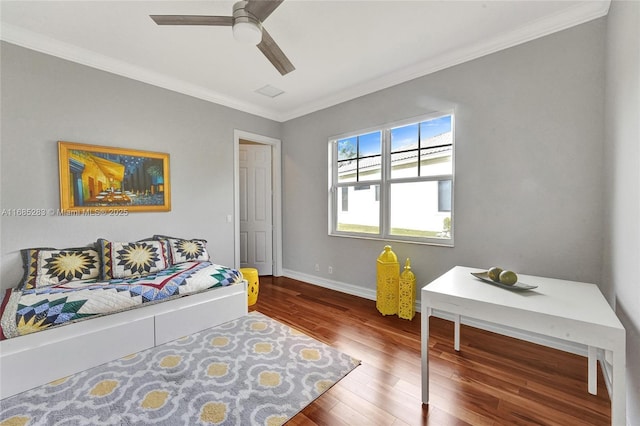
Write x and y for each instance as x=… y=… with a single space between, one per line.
x=39 y=358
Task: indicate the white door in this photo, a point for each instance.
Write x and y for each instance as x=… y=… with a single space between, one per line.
x=256 y=227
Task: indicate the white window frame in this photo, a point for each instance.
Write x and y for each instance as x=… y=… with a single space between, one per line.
x=335 y=188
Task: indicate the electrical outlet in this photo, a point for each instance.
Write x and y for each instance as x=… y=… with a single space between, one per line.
x=317 y=268
x=331 y=269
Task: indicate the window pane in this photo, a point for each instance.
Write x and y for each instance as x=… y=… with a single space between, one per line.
x=347 y=163
x=404 y=154
x=436 y=143
x=404 y=164
x=359 y=158
x=415 y=212
x=359 y=209
x=347 y=148
x=370 y=144
x=347 y=170
x=431 y=128
x=436 y=161
x=369 y=168
x=369 y=150
x=404 y=138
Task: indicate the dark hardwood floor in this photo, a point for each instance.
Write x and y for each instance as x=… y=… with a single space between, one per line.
x=493 y=380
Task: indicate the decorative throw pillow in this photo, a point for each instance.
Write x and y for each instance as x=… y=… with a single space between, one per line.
x=48 y=266
x=166 y=248
x=194 y=250
x=131 y=259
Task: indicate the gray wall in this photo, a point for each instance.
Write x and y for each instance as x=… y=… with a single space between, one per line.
x=528 y=161
x=45 y=99
x=532 y=189
x=621 y=277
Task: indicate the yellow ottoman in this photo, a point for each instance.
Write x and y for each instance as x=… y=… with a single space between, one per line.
x=251 y=275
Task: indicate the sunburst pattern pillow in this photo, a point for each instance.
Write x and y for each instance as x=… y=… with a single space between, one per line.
x=48 y=266
x=194 y=250
x=131 y=259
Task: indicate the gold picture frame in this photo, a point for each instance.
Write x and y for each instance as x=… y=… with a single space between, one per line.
x=104 y=180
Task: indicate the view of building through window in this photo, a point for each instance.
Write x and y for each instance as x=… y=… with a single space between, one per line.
x=395 y=182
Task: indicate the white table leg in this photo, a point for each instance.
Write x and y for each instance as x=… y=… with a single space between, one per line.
x=592 y=363
x=619 y=396
x=456 y=334
x=425 y=353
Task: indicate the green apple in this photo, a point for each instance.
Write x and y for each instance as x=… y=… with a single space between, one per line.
x=494 y=273
x=508 y=277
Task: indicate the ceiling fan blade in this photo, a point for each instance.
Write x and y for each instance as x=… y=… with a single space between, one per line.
x=261 y=9
x=192 y=20
x=274 y=54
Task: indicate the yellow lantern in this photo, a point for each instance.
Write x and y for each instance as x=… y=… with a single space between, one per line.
x=388 y=275
x=407 y=293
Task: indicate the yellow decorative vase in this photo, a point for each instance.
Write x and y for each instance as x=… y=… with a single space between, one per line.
x=388 y=276
x=407 y=293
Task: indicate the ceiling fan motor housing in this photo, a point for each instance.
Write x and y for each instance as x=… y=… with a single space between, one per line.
x=246 y=27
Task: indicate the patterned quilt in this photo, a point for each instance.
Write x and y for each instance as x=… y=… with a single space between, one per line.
x=32 y=310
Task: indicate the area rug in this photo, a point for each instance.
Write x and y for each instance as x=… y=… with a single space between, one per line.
x=250 y=371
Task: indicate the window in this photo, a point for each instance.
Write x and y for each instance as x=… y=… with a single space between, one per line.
x=395 y=182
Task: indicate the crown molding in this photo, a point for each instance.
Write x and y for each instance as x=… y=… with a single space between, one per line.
x=569 y=17
x=31 y=40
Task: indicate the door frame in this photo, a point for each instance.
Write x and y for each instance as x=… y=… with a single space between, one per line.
x=276 y=185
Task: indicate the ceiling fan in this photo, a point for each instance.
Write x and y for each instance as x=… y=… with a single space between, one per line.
x=247 y=26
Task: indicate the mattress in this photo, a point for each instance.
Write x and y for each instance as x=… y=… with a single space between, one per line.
x=29 y=311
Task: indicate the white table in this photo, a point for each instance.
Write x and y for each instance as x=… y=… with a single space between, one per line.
x=568 y=310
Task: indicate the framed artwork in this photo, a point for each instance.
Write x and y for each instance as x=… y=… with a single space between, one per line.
x=100 y=179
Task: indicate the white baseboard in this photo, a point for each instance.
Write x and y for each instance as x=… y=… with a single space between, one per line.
x=370 y=294
x=351 y=289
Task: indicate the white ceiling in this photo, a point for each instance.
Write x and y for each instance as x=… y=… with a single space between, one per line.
x=341 y=49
